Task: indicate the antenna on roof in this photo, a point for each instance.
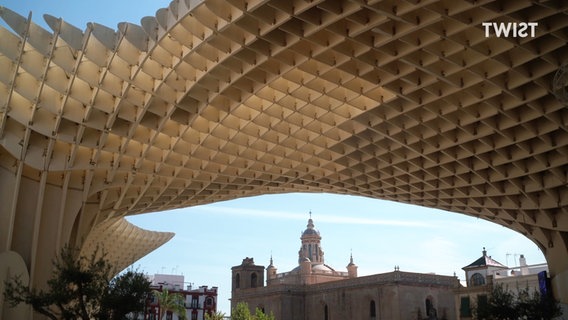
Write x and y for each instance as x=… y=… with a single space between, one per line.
x=514 y=257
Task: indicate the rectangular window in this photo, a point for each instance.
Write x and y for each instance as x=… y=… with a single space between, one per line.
x=194 y=303
x=482 y=301
x=465 y=309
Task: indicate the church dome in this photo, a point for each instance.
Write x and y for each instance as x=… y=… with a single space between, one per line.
x=310 y=229
x=322 y=268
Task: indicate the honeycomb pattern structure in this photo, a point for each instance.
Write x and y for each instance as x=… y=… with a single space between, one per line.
x=213 y=100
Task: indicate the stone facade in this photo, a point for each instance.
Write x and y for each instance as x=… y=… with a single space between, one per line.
x=315 y=291
x=388 y=296
x=247 y=275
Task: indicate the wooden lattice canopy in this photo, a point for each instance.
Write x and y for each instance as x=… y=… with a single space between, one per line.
x=213 y=100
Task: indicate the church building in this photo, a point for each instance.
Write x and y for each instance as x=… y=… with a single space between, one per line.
x=311 y=265
x=316 y=291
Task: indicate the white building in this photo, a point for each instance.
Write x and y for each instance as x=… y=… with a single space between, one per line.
x=485 y=272
x=197 y=302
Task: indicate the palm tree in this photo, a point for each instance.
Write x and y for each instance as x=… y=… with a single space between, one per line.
x=215 y=316
x=170 y=302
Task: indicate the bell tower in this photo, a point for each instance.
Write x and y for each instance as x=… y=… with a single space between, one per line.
x=271 y=271
x=248 y=275
x=311 y=245
x=352 y=268
x=245 y=276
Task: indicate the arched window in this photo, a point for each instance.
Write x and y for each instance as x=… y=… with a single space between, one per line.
x=372 y=309
x=253 y=279
x=238 y=281
x=477 y=279
x=429 y=307
x=325 y=313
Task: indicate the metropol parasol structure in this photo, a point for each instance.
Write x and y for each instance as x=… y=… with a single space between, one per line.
x=426 y=102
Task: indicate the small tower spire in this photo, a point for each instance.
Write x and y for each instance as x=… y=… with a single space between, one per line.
x=351 y=259
x=352 y=267
x=271 y=270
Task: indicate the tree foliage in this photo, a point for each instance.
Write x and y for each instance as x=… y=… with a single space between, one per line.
x=242 y=312
x=503 y=304
x=81 y=288
x=260 y=315
x=170 y=302
x=215 y=316
x=127 y=293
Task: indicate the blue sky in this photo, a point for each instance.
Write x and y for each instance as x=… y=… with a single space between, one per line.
x=79 y=13
x=210 y=239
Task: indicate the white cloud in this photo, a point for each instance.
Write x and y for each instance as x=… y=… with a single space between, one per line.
x=271 y=214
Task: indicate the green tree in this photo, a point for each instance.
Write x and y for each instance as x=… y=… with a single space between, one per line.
x=242 y=312
x=215 y=316
x=534 y=306
x=127 y=293
x=170 y=302
x=79 y=288
x=503 y=304
x=260 y=315
x=74 y=289
x=549 y=308
x=528 y=304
